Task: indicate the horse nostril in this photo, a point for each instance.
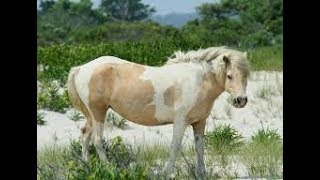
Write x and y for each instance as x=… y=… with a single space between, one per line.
x=245 y=99
x=238 y=100
x=241 y=99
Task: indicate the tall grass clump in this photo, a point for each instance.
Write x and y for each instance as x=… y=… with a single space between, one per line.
x=223 y=138
x=263 y=154
x=223 y=141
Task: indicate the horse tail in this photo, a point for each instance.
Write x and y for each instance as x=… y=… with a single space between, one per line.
x=72 y=91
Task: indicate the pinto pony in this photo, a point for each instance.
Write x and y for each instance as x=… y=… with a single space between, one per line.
x=181 y=92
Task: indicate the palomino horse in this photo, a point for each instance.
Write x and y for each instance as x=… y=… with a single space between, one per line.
x=181 y=92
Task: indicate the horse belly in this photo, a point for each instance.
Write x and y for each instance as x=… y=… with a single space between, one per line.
x=144 y=116
x=133 y=98
x=137 y=108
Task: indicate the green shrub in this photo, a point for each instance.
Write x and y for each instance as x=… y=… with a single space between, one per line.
x=49 y=98
x=58 y=59
x=40 y=119
x=120 y=165
x=266 y=137
x=116 y=121
x=75 y=116
x=66 y=163
x=223 y=139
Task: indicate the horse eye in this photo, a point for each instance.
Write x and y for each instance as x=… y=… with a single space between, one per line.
x=229 y=77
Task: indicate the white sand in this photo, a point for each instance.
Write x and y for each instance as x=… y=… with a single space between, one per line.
x=258 y=113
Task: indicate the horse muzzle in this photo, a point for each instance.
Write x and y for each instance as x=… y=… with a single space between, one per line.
x=240 y=101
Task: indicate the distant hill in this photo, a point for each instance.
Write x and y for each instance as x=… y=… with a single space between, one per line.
x=175 y=19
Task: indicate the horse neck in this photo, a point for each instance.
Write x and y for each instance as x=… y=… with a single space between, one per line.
x=217 y=88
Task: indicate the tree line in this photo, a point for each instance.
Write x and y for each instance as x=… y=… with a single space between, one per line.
x=239 y=23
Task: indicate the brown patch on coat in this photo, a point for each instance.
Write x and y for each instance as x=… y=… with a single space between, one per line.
x=171 y=95
x=119 y=86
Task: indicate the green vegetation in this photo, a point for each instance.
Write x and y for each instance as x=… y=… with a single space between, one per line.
x=114 y=120
x=75 y=116
x=40 y=119
x=223 y=139
x=72 y=33
x=60 y=58
x=222 y=142
x=50 y=98
x=261 y=156
x=236 y=23
x=66 y=163
x=266 y=58
x=240 y=23
x=132 y=10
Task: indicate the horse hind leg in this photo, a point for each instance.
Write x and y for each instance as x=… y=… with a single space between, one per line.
x=85 y=132
x=86 y=137
x=98 y=118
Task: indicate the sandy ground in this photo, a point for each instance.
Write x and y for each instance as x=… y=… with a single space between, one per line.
x=264 y=109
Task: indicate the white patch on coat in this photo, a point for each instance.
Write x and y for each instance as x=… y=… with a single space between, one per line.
x=85 y=72
x=185 y=76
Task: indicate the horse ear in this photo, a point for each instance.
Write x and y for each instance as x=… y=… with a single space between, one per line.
x=226 y=59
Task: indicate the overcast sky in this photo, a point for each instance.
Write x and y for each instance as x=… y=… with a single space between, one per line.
x=169 y=6
x=176 y=6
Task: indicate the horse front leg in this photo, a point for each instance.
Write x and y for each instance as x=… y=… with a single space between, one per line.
x=198 y=130
x=178 y=131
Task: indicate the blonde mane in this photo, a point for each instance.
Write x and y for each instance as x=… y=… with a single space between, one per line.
x=214 y=56
x=197 y=56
